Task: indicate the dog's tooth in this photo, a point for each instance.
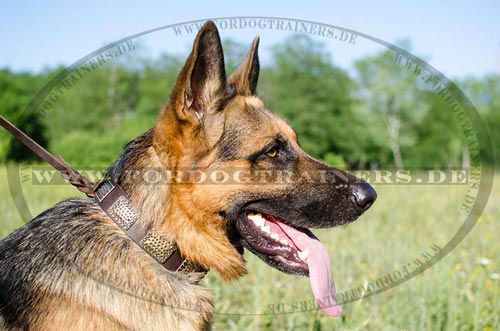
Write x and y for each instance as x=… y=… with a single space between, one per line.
x=257 y=219
x=254 y=215
x=275 y=236
x=284 y=242
x=303 y=255
x=266 y=229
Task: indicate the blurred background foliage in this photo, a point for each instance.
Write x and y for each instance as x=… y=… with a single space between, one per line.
x=373 y=115
x=376 y=115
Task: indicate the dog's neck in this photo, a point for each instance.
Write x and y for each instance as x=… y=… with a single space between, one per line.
x=139 y=173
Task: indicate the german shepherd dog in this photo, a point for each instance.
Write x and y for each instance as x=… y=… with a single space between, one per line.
x=73 y=268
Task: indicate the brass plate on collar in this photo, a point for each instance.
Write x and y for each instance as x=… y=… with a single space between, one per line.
x=123 y=213
x=188 y=267
x=159 y=247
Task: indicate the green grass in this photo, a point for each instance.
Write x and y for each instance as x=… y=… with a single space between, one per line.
x=461 y=292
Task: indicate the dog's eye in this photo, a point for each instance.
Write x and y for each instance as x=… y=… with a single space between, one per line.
x=273 y=152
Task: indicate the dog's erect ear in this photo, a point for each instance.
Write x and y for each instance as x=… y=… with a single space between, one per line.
x=201 y=84
x=245 y=77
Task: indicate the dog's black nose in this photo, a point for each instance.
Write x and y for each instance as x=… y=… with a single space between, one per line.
x=364 y=195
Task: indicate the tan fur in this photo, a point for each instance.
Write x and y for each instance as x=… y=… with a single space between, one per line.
x=139 y=298
x=193 y=219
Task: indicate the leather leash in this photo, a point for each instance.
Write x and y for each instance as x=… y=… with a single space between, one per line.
x=68 y=173
x=115 y=203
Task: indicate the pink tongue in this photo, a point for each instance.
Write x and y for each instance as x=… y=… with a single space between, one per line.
x=320 y=269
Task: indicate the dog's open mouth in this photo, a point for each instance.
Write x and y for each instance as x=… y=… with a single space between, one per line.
x=291 y=250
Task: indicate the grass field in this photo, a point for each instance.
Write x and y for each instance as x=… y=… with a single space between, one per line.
x=460 y=292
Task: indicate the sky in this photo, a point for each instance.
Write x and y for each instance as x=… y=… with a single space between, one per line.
x=459 y=38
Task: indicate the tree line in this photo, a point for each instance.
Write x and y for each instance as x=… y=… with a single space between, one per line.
x=375 y=115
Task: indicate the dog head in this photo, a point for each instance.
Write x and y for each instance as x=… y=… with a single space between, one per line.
x=261 y=190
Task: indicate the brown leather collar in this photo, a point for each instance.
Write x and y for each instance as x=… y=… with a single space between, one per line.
x=115 y=203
